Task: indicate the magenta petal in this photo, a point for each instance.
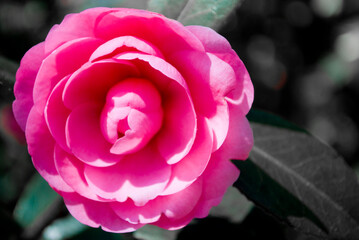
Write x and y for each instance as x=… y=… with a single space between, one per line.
x=142 y=127
x=173 y=224
x=132 y=115
x=177 y=134
x=220 y=172
x=211 y=40
x=214 y=43
x=123 y=44
x=93 y=80
x=239 y=141
x=71 y=170
x=141 y=176
x=41 y=148
x=95 y=214
x=128 y=211
x=56 y=115
x=74 y=26
x=219 y=175
x=219 y=123
x=169 y=35
x=191 y=167
x=174 y=206
x=210 y=80
x=60 y=63
x=25 y=79
x=85 y=138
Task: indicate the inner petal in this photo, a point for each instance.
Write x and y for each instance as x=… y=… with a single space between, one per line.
x=132 y=115
x=123 y=44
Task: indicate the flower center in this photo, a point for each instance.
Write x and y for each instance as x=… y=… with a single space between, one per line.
x=132 y=115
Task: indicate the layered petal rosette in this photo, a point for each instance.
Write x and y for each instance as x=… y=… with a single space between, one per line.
x=133 y=118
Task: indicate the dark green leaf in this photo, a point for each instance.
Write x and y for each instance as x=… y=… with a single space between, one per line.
x=234 y=206
x=169 y=8
x=150 y=232
x=36 y=199
x=259 y=116
x=98 y=233
x=210 y=13
x=63 y=228
x=300 y=180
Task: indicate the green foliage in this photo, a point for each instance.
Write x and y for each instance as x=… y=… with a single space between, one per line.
x=63 y=228
x=169 y=8
x=36 y=199
x=300 y=180
x=210 y=13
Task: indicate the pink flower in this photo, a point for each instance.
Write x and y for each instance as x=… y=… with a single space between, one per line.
x=133 y=118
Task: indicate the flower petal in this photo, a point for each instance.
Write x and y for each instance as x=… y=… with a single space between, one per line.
x=71 y=170
x=141 y=176
x=124 y=44
x=170 y=35
x=219 y=46
x=174 y=206
x=60 y=63
x=191 y=166
x=93 y=80
x=95 y=214
x=56 y=114
x=209 y=79
x=41 y=148
x=174 y=224
x=141 y=103
x=25 y=79
x=85 y=137
x=74 y=26
x=219 y=175
x=177 y=134
x=239 y=141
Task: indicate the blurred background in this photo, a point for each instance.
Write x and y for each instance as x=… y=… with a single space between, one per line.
x=302 y=55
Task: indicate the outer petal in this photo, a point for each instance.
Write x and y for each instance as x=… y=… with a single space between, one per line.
x=41 y=148
x=74 y=26
x=174 y=206
x=170 y=35
x=239 y=141
x=71 y=170
x=25 y=78
x=219 y=175
x=218 y=45
x=141 y=176
x=95 y=214
x=191 y=167
x=220 y=172
x=173 y=224
x=209 y=79
x=65 y=60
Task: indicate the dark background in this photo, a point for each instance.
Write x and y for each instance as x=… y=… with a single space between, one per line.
x=302 y=55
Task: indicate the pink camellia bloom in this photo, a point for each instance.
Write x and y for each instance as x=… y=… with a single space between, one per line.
x=133 y=118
